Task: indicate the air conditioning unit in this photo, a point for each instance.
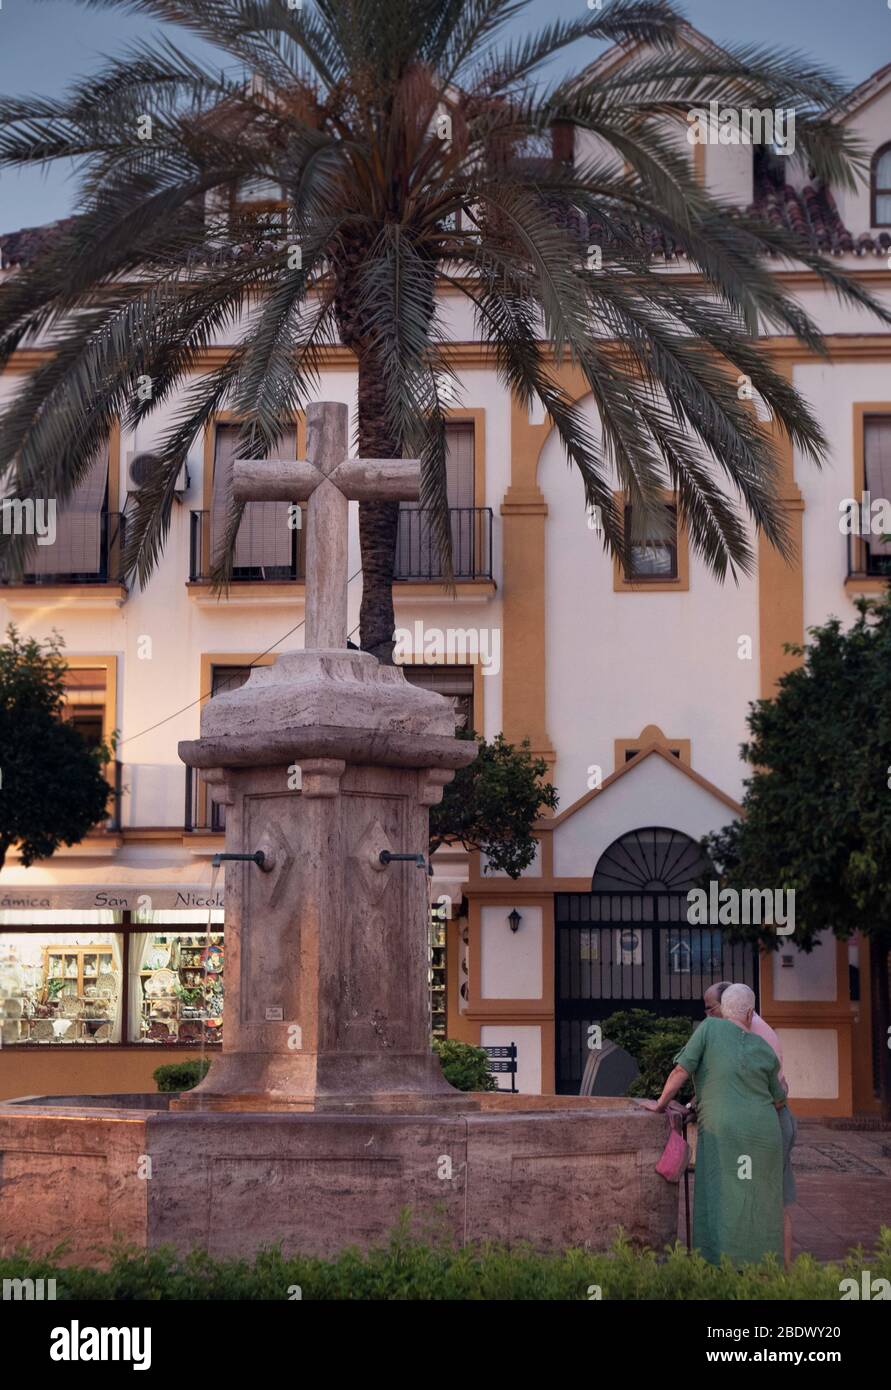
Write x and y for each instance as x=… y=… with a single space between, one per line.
x=141 y=466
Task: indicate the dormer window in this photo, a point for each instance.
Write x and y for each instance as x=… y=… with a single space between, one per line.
x=881 y=188
x=261 y=202
x=768 y=170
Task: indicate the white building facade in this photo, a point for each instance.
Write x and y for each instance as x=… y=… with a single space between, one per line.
x=635 y=688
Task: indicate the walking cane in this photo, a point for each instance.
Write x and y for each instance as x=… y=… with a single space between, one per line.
x=686 y=1187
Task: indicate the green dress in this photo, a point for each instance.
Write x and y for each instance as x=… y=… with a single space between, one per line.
x=735 y=1075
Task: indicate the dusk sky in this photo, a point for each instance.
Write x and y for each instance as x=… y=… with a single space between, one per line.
x=45 y=44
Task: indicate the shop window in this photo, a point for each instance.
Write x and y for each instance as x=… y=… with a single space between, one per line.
x=177 y=986
x=158 y=985
x=61 y=987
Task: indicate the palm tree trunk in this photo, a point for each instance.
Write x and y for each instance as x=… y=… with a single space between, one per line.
x=378 y=521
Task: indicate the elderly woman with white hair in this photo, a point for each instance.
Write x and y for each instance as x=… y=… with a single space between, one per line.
x=738 y=1195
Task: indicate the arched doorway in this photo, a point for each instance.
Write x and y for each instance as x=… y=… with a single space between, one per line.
x=628 y=945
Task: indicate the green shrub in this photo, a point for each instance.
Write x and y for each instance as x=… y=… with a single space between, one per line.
x=405 y=1270
x=181 y=1076
x=464 y=1066
x=653 y=1042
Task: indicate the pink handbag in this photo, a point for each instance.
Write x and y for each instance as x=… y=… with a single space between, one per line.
x=676 y=1155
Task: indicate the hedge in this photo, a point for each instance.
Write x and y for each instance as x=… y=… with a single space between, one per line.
x=464 y=1066
x=406 y=1270
x=181 y=1076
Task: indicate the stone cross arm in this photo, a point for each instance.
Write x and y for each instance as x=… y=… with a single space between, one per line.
x=327 y=481
x=360 y=480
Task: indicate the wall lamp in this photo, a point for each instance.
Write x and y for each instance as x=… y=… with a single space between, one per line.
x=514 y=919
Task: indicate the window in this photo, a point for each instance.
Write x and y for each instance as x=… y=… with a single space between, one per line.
x=877 y=482
x=85 y=702
x=222 y=680
x=633 y=752
x=177 y=986
x=86 y=537
x=261 y=204
x=266 y=544
x=881 y=188
x=652 y=558
x=77 y=983
x=61 y=987
x=417 y=553
x=454 y=682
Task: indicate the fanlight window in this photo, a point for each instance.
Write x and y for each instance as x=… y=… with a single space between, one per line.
x=654 y=860
x=881 y=188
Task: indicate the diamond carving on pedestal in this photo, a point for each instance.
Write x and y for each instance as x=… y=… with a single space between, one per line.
x=367 y=856
x=275 y=846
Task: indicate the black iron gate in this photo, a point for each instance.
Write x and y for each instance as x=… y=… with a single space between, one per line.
x=619 y=950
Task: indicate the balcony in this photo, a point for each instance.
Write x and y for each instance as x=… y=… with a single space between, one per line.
x=417 y=555
x=88 y=549
x=267 y=551
x=201 y=813
x=868 y=559
x=114 y=773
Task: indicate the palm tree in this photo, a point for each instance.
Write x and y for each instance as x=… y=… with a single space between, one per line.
x=414 y=147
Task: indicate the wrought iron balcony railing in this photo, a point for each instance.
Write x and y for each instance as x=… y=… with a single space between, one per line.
x=417 y=553
x=201 y=813
x=87 y=549
x=266 y=550
x=114 y=773
x=868 y=559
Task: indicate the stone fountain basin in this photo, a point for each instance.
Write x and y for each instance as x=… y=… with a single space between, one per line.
x=553 y=1171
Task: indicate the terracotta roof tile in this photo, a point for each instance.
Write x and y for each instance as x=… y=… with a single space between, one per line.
x=24 y=246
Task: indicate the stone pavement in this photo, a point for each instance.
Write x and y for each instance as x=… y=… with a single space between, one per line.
x=843 y=1178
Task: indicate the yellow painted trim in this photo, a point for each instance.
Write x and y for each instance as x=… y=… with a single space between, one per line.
x=654 y=751
x=516 y=894
x=652 y=734
x=423 y=588
x=250 y=588
x=623 y=585
x=840 y=347
x=49 y=594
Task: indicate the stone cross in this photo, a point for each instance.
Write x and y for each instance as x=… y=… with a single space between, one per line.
x=328 y=481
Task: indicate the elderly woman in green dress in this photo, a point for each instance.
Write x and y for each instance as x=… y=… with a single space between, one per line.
x=738 y=1196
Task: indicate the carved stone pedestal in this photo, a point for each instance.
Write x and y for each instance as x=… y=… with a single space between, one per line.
x=325 y=761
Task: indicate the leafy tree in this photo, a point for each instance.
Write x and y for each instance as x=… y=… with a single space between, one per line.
x=491 y=805
x=415 y=146
x=817 y=809
x=53 y=789
x=653 y=1041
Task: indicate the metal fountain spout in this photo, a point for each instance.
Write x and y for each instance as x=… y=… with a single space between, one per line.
x=258 y=857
